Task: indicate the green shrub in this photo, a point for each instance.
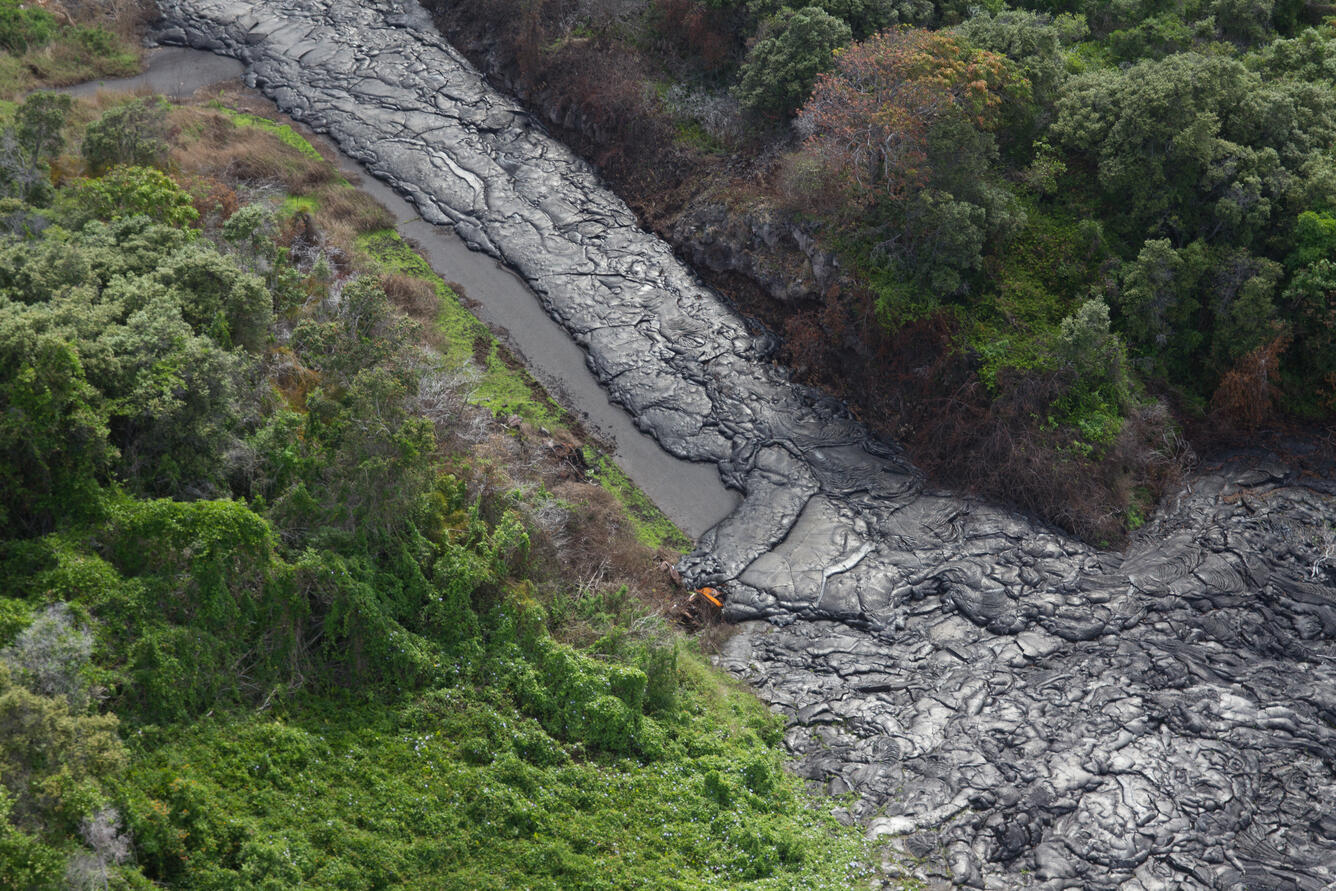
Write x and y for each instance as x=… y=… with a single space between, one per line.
x=53 y=759
x=128 y=192
x=24 y=27
x=53 y=429
x=794 y=48
x=97 y=40
x=39 y=124
x=133 y=134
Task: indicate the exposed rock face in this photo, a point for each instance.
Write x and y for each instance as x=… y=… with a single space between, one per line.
x=1035 y=711
x=759 y=243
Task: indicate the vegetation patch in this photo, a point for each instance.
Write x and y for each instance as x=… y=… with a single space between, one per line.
x=504 y=388
x=284 y=132
x=283 y=605
x=652 y=528
x=39 y=50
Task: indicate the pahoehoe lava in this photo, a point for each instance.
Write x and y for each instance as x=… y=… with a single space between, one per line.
x=1030 y=710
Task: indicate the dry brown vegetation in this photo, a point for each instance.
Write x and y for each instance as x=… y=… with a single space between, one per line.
x=356 y=210
x=216 y=157
x=582 y=539
x=417 y=298
x=124 y=17
x=916 y=388
x=212 y=144
x=598 y=91
x=1248 y=392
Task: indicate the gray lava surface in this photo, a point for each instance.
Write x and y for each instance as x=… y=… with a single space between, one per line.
x=1027 y=710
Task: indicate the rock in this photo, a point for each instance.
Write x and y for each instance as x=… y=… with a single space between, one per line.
x=757 y=243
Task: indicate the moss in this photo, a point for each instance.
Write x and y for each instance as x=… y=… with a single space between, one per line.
x=294 y=204
x=1141 y=503
x=285 y=133
x=691 y=133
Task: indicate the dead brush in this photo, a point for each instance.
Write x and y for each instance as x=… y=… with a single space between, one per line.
x=213 y=145
x=339 y=241
x=1249 y=392
x=598 y=531
x=124 y=17
x=415 y=297
x=292 y=380
x=90 y=108
x=215 y=200
x=712 y=632
x=358 y=211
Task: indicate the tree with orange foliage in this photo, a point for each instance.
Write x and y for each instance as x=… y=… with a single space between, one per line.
x=870 y=117
x=1248 y=392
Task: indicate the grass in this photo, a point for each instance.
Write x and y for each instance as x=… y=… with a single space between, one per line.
x=235 y=148
x=692 y=133
x=295 y=204
x=74 y=55
x=504 y=389
x=652 y=528
x=284 y=132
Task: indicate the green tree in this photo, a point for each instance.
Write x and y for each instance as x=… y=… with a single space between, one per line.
x=28 y=146
x=1243 y=311
x=1090 y=348
x=40 y=122
x=26 y=863
x=180 y=401
x=133 y=134
x=218 y=298
x=1034 y=41
x=375 y=458
x=53 y=759
x=1151 y=38
x=1242 y=22
x=794 y=47
x=1309 y=304
x=127 y=192
x=1158 y=303
x=1197 y=146
x=53 y=428
x=1308 y=57
x=863 y=17
x=947 y=238
x=1314 y=239
x=358 y=330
